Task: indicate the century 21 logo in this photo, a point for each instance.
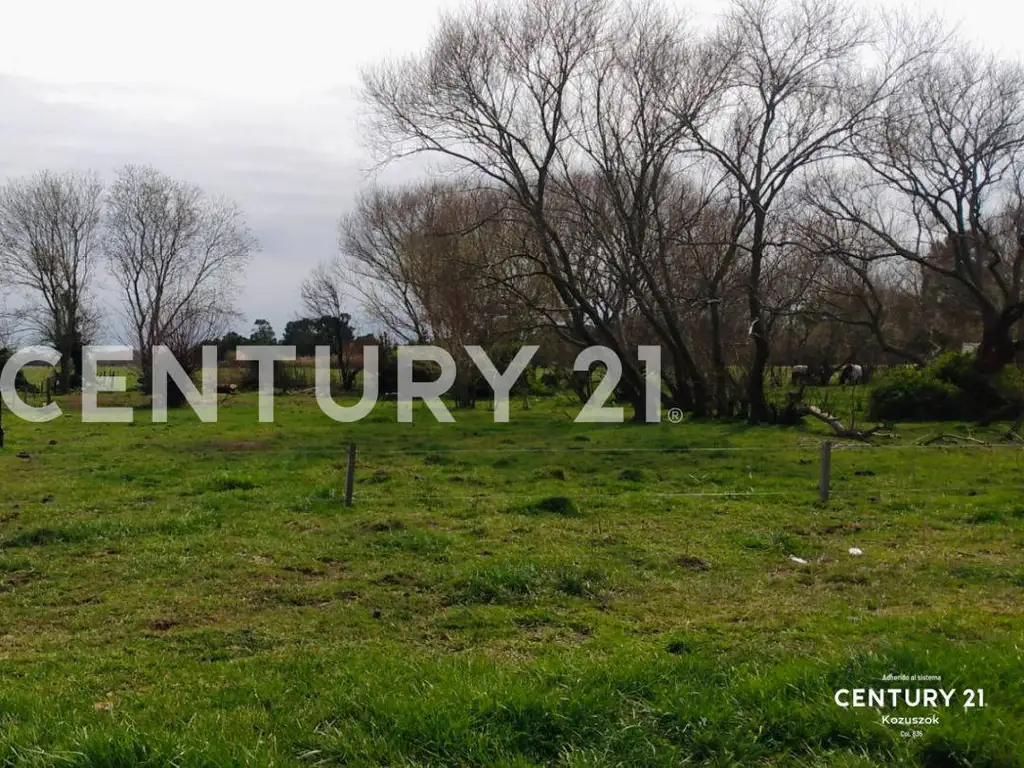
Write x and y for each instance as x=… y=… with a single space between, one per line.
x=165 y=366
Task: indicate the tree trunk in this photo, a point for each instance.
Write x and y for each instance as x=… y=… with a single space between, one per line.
x=580 y=382
x=463 y=391
x=997 y=348
x=78 y=366
x=639 y=402
x=757 y=402
x=66 y=364
x=701 y=406
x=681 y=392
x=698 y=390
x=756 y=392
x=635 y=394
x=723 y=399
x=175 y=397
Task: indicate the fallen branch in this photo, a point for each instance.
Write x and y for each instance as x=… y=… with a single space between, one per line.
x=973 y=440
x=837 y=426
x=949 y=436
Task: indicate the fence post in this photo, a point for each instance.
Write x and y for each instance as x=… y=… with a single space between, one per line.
x=350 y=476
x=824 y=480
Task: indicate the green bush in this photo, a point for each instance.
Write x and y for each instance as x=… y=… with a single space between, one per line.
x=1010 y=386
x=909 y=394
x=957 y=368
x=979 y=394
x=951 y=388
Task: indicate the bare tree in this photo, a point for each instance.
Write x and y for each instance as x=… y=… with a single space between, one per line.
x=861 y=283
x=376 y=260
x=652 y=167
x=793 y=85
x=944 y=193
x=499 y=93
x=49 y=248
x=177 y=256
x=324 y=299
x=439 y=262
x=638 y=201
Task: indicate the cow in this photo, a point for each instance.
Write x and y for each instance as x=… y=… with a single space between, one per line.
x=799 y=375
x=851 y=374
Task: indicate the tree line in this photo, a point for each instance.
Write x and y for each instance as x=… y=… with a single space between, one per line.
x=174 y=253
x=803 y=183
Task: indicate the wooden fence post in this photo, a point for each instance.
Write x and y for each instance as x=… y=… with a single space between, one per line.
x=350 y=476
x=824 y=481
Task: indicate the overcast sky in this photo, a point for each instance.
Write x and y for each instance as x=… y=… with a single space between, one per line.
x=251 y=100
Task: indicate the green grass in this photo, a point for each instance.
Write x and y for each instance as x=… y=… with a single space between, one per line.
x=536 y=593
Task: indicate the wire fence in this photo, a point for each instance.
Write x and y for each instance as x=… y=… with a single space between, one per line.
x=817 y=477
x=434 y=470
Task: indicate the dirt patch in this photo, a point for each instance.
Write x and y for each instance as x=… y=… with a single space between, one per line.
x=828 y=530
x=397 y=580
x=383 y=526
x=693 y=563
x=14 y=581
x=305 y=570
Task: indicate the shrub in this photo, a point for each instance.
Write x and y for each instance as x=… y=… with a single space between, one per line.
x=1010 y=386
x=980 y=394
x=909 y=394
x=289 y=376
x=551 y=380
x=248 y=378
x=957 y=368
x=950 y=388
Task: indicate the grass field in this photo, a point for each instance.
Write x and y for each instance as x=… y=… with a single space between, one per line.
x=533 y=593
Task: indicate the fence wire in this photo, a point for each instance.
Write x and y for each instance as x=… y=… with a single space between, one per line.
x=434 y=481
